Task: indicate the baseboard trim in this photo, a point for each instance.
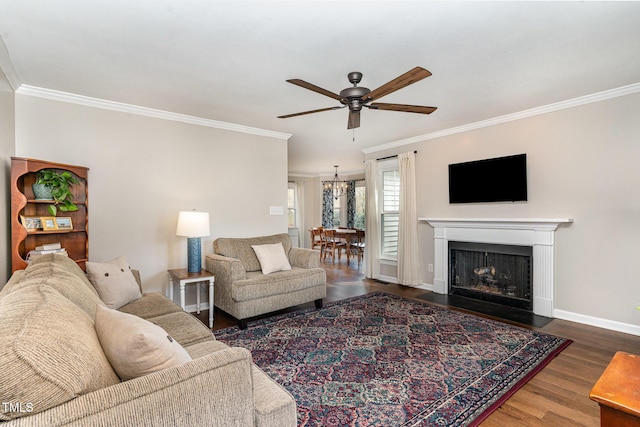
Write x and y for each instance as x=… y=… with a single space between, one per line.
x=584 y=319
x=611 y=325
x=388 y=279
x=192 y=308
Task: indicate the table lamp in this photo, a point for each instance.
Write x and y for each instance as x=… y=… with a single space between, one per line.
x=193 y=225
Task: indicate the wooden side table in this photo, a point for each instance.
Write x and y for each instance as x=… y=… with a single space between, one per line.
x=183 y=277
x=618 y=391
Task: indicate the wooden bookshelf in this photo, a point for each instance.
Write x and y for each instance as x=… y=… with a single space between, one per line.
x=23 y=203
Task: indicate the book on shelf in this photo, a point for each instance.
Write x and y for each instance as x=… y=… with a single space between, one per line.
x=35 y=254
x=49 y=246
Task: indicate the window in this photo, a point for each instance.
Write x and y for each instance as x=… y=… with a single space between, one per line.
x=336 y=211
x=359 y=220
x=390 y=209
x=291 y=205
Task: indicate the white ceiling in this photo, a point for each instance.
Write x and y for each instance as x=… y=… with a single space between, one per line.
x=228 y=60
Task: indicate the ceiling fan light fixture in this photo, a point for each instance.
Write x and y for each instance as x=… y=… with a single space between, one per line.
x=357 y=97
x=337 y=187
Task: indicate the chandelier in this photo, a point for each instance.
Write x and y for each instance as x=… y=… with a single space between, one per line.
x=336 y=186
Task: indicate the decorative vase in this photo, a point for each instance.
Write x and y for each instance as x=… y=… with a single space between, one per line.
x=41 y=192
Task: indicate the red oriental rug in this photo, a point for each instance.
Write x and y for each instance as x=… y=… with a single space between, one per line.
x=383 y=360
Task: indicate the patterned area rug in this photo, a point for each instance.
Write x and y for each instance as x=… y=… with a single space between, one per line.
x=382 y=360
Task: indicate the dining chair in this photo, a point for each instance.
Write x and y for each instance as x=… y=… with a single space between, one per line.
x=357 y=245
x=316 y=238
x=332 y=245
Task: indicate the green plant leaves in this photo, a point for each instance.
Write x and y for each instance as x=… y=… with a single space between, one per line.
x=60 y=185
x=67 y=206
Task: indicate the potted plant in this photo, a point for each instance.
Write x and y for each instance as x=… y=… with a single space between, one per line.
x=59 y=183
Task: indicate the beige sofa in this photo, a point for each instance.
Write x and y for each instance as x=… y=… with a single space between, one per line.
x=54 y=371
x=243 y=291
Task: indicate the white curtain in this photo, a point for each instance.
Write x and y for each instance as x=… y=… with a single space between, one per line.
x=408 y=258
x=372 y=220
x=302 y=229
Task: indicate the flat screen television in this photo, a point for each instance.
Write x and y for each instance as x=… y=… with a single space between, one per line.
x=502 y=179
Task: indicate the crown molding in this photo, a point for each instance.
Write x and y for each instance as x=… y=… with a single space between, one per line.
x=324 y=176
x=6 y=66
x=144 y=111
x=300 y=175
x=571 y=103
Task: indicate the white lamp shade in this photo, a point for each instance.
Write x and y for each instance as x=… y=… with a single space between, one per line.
x=193 y=224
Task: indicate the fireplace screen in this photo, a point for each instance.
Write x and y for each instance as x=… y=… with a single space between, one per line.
x=496 y=273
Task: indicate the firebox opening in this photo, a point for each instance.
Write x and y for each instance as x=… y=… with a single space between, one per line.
x=500 y=274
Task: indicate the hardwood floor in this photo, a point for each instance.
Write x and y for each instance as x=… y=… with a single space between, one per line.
x=557 y=396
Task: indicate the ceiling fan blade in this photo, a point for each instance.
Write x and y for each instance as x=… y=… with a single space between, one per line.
x=314 y=88
x=354 y=120
x=309 y=112
x=402 y=107
x=406 y=79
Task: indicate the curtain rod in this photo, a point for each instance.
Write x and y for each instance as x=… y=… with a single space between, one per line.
x=394 y=156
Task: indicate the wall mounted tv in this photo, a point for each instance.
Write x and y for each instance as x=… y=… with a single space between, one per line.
x=502 y=179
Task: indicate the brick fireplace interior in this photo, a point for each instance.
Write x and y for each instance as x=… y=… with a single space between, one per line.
x=500 y=274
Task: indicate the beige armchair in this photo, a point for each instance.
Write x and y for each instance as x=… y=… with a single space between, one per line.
x=243 y=291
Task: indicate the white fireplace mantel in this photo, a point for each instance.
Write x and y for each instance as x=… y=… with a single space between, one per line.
x=535 y=232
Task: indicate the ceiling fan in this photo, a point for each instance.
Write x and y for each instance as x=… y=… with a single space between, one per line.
x=357 y=97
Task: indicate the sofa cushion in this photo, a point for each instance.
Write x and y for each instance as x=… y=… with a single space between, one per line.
x=136 y=347
x=271 y=257
x=49 y=351
x=240 y=248
x=58 y=263
x=183 y=327
x=62 y=274
x=152 y=304
x=258 y=285
x=114 y=281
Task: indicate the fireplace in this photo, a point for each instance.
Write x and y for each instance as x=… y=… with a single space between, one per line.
x=538 y=233
x=499 y=274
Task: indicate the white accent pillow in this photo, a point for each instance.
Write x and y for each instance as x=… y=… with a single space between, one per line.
x=134 y=346
x=114 y=282
x=272 y=258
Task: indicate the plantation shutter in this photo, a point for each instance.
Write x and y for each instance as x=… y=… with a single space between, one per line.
x=390 y=211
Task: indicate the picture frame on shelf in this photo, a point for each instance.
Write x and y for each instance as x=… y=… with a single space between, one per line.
x=49 y=223
x=64 y=223
x=31 y=223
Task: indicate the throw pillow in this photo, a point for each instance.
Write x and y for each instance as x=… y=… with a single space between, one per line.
x=272 y=257
x=49 y=352
x=114 y=282
x=134 y=346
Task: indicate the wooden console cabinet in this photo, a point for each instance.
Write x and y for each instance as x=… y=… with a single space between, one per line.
x=618 y=392
x=23 y=203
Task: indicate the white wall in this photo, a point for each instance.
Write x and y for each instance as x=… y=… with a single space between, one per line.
x=143 y=171
x=582 y=164
x=7 y=144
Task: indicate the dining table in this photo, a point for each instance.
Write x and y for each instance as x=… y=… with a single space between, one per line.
x=346 y=234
